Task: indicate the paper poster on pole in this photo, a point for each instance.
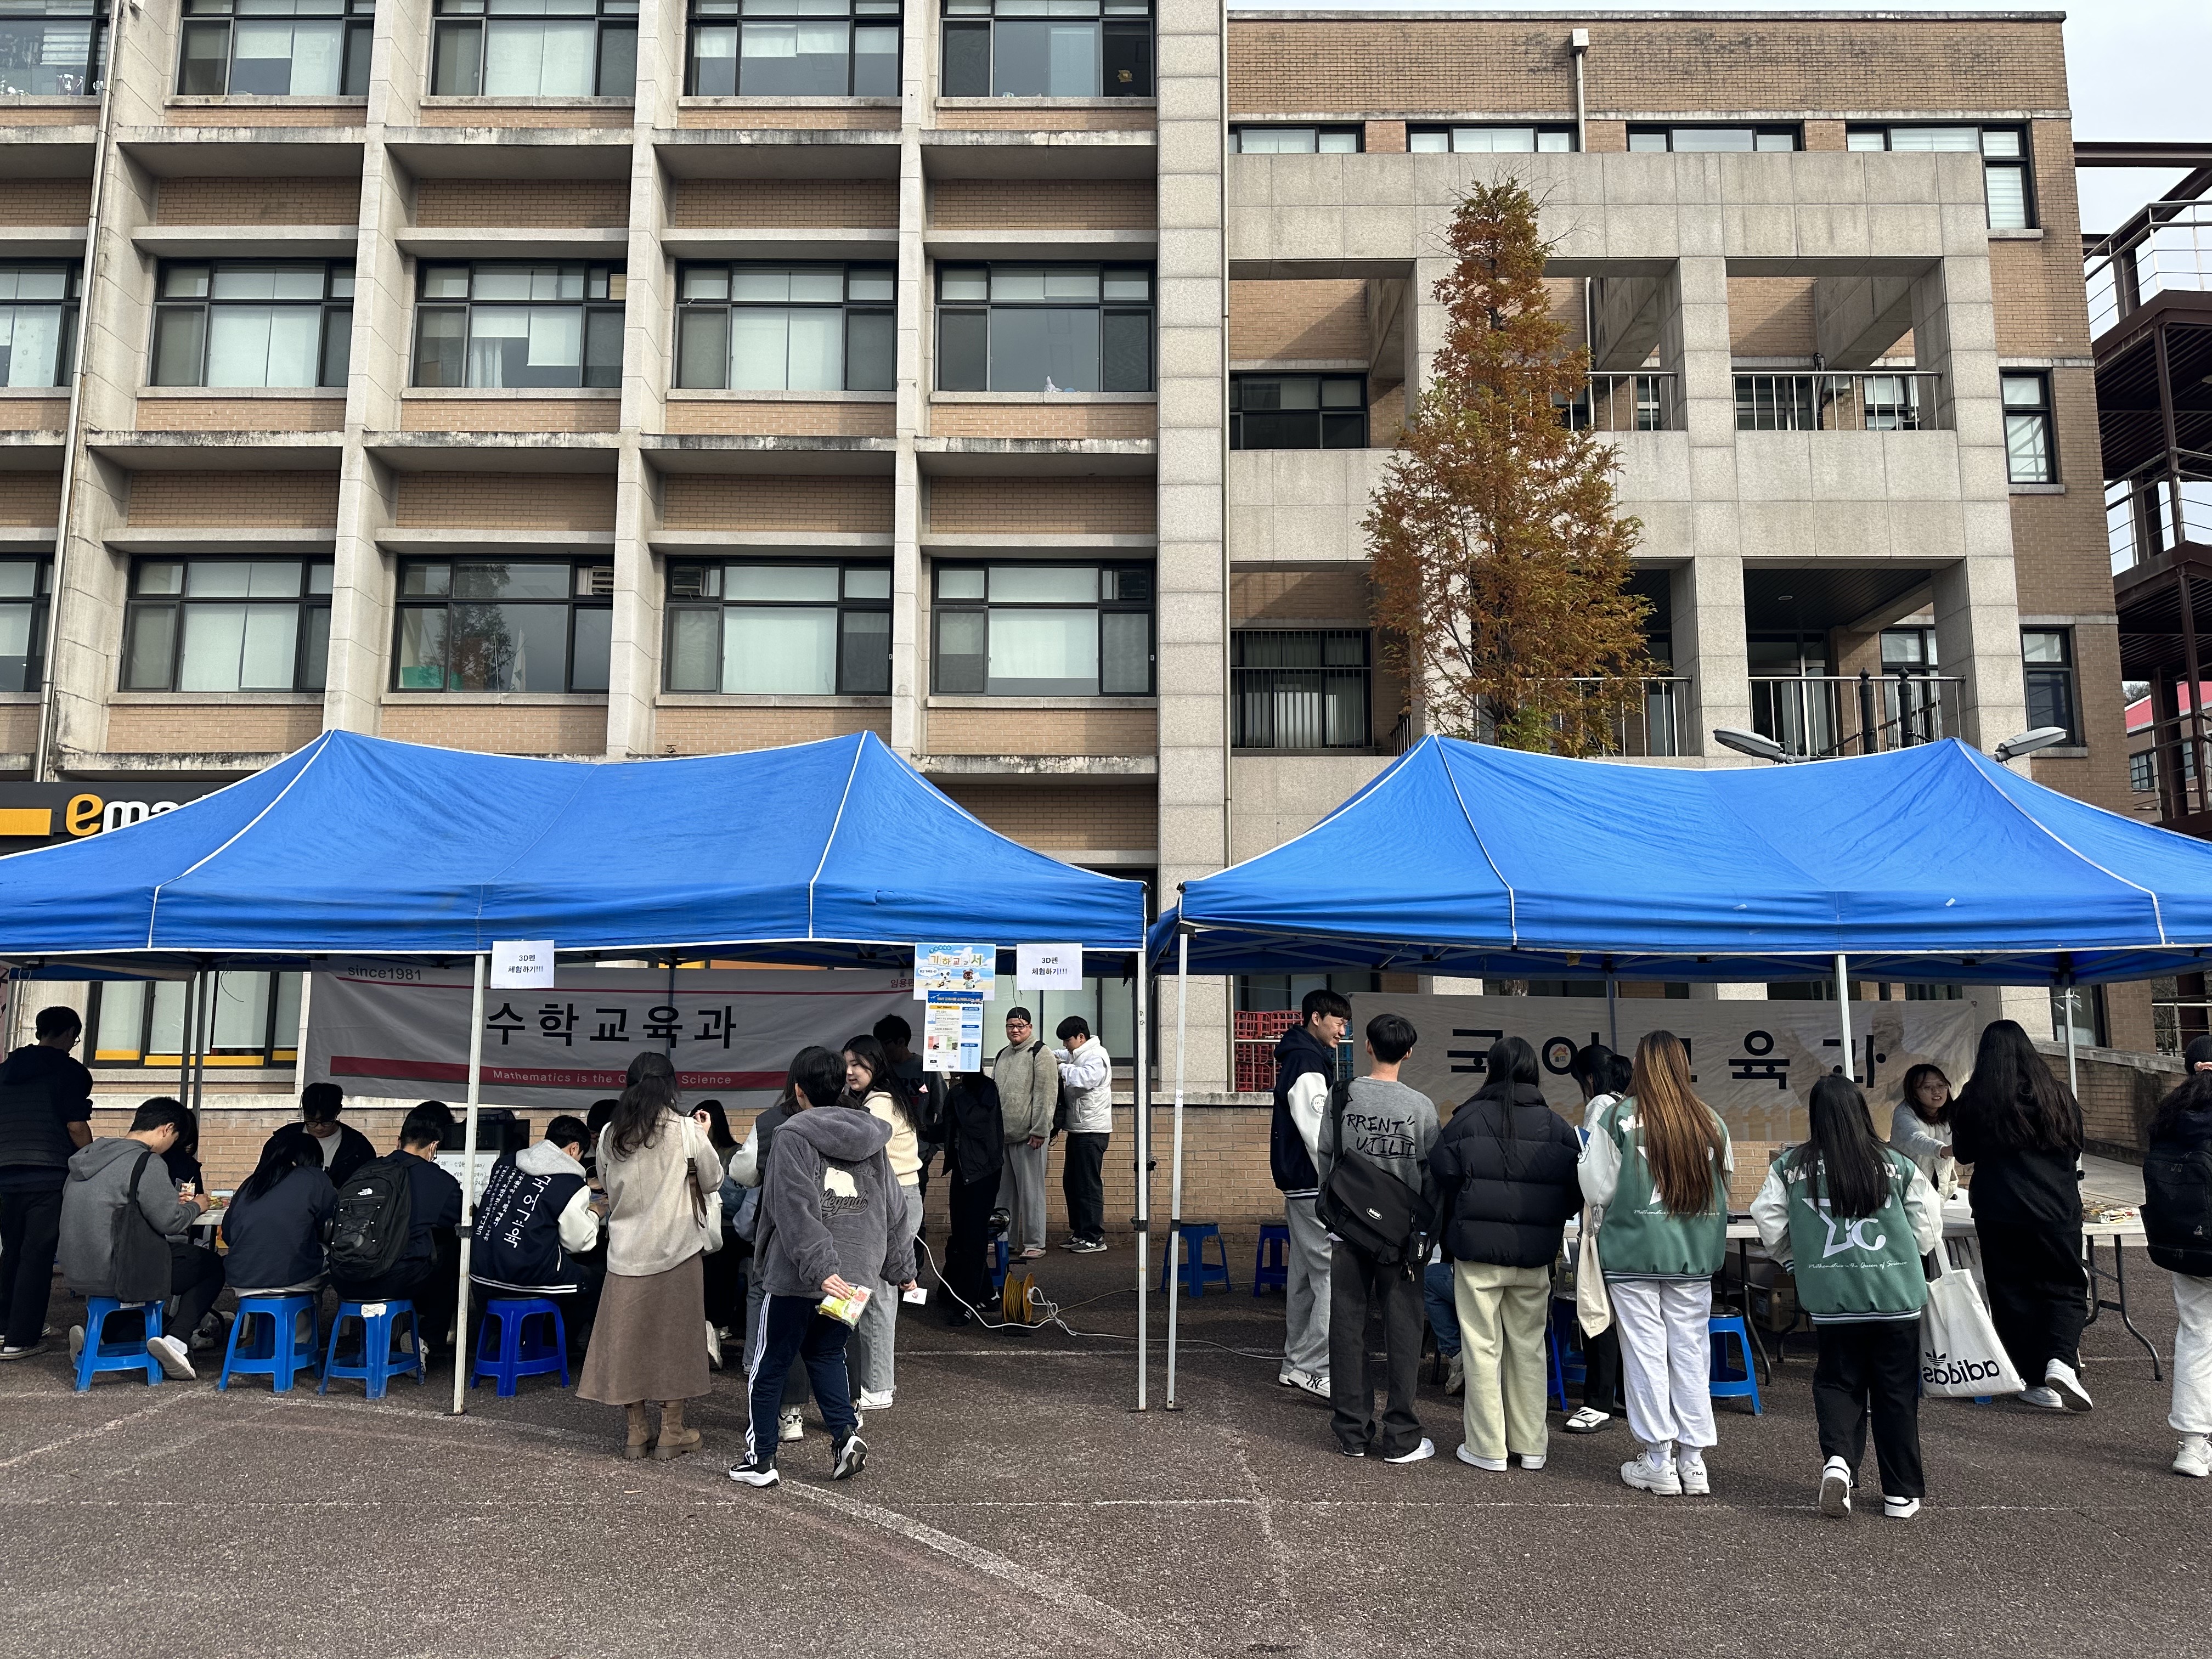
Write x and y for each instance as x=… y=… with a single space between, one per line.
x=1048 y=967
x=952 y=1036
x=955 y=973
x=523 y=964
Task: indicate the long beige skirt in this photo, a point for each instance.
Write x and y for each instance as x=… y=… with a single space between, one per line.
x=649 y=1341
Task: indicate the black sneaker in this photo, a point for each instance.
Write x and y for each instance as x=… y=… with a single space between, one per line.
x=850 y=1456
x=749 y=1473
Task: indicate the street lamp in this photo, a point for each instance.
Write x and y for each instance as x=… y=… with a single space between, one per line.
x=2040 y=737
x=1754 y=744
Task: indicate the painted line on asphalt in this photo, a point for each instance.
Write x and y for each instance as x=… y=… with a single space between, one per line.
x=95 y=1429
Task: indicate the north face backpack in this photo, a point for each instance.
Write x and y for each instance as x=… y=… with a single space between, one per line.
x=366 y=1232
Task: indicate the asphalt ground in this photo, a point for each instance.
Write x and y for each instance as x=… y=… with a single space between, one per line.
x=1013 y=1503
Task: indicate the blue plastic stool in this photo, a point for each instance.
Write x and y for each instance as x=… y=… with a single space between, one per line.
x=1558 y=1382
x=378 y=1329
x=519 y=1353
x=1271 y=1263
x=1566 y=1344
x=1728 y=1382
x=279 y=1353
x=1195 y=1271
x=998 y=1266
x=99 y=1356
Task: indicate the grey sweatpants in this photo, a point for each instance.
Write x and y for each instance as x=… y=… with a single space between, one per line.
x=875 y=1339
x=1305 y=1307
x=1021 y=1195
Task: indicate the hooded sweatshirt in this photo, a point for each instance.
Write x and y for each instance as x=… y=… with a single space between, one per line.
x=115 y=1230
x=1303 y=1071
x=826 y=1205
x=276 y=1240
x=534 y=1217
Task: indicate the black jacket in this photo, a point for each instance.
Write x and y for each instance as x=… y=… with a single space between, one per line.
x=1505 y=1178
x=42 y=1091
x=2177 y=1209
x=1298 y=1053
x=2017 y=1185
x=277 y=1239
x=340 y=1162
x=977 y=1148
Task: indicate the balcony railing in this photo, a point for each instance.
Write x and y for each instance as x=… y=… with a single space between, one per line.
x=1641 y=402
x=2175 y=755
x=2167 y=245
x=1307 y=689
x=1645 y=718
x=1834 y=402
x=1813 y=715
x=2139 y=509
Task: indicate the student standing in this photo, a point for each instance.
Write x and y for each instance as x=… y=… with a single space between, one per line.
x=2177 y=1215
x=342 y=1147
x=1655 y=1170
x=1601 y=1075
x=1087 y=1084
x=2022 y=1130
x=748 y=1165
x=1306 y=1066
x=1851 y=1219
x=1920 y=1127
x=46 y=1115
x=1028 y=1079
x=1386 y=1124
x=974 y=1156
x=1505 y=1174
x=724 y=1270
x=871 y=1087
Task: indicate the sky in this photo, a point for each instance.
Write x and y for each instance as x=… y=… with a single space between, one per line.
x=2138 y=69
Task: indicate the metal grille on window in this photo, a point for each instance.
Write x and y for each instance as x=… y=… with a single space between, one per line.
x=1300 y=688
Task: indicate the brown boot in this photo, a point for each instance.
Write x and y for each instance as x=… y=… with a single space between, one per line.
x=675 y=1439
x=640 y=1439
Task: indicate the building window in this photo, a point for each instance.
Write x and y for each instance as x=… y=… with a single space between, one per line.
x=1044 y=328
x=1300 y=688
x=253 y=322
x=815 y=630
x=1044 y=630
x=1484 y=141
x=254 y=1020
x=1908 y=650
x=520 y=325
x=299 y=48
x=2004 y=161
x=24 y=597
x=794 y=49
x=38 y=318
x=535 y=49
x=227 y=625
x=515 y=625
x=786 y=328
x=2143 y=771
x=1297 y=141
x=1685 y=140
x=2030 y=457
x=1048 y=49
x=1297 y=411
x=2048 y=655
x=53 y=48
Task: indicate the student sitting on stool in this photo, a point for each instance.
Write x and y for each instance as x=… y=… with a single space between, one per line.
x=534 y=1223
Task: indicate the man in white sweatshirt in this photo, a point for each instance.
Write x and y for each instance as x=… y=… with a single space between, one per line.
x=1086 y=1084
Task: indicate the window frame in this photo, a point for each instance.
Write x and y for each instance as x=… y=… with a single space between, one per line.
x=356 y=20
x=940 y=605
x=451 y=19
x=1128 y=21
x=1357 y=132
x=278 y=1048
x=1322 y=410
x=990 y=306
x=2022 y=161
x=1321 y=677
x=93 y=15
x=2062 y=673
x=1793 y=131
x=1538 y=132
x=69 y=309
x=39 y=603
x=736 y=14
x=2039 y=412
x=730 y=305
x=572 y=602
x=613 y=300
x=309 y=603
x=721 y=604
x=337 y=301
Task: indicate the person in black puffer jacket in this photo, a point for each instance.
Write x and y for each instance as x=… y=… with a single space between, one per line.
x=2176 y=1215
x=1505 y=1168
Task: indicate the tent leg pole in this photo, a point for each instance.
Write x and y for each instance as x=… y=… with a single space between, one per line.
x=1174 y=1263
x=185 y=1039
x=464 y=1359
x=1844 y=1009
x=203 y=1029
x=2073 y=1077
x=1141 y=1102
x=300 y=1041
x=1613 y=1013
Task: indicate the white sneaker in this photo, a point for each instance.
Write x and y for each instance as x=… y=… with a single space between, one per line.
x=1899 y=1509
x=873 y=1400
x=714 y=1346
x=1691 y=1470
x=1495 y=1465
x=1313 y=1382
x=1662 y=1480
x=1530 y=1463
x=755 y=1474
x=791 y=1426
x=2062 y=1378
x=2042 y=1399
x=1288 y=1376
x=1427 y=1449
x=1588 y=1420
x=172 y=1357
x=850 y=1457
x=76 y=1343
x=2195 y=1458
x=1836 y=1489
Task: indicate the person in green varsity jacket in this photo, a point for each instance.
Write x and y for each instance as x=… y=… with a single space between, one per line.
x=1851 y=1219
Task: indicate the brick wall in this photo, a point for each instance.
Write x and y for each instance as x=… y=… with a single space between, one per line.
x=782 y=204
x=1049 y=420
x=211 y=728
x=1055 y=120
x=34 y=414
x=270 y=115
x=1297 y=321
x=205 y=500
x=1770 y=316
x=1385 y=138
x=242 y=414
x=1081 y=203
x=19 y=728
x=587 y=203
x=30 y=498
x=2042 y=309
x=1061 y=817
x=847 y=120
x=287 y=199
x=1043 y=732
x=791 y=420
x=497 y=729
x=1287 y=595
x=1048 y=506
x=615 y=117
x=517 y=414
x=726 y=730
x=44 y=201
x=850 y=505
x=520 y=501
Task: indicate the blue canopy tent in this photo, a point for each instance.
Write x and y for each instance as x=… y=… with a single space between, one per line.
x=830 y=853
x=1926 y=864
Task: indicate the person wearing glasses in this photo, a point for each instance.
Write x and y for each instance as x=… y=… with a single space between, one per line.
x=1028 y=1077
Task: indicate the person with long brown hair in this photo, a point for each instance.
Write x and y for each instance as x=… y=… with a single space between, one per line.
x=1920 y=1127
x=1655 y=1173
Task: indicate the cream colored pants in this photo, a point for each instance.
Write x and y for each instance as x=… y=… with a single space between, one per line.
x=1501 y=1315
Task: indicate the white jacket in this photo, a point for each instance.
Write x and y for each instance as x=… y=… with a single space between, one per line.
x=652 y=1223
x=1086 y=1083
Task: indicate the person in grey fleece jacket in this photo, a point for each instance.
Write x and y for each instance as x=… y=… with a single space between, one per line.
x=827 y=1224
x=108 y=1251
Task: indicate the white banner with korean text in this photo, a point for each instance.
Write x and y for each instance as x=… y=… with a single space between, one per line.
x=1753 y=1062
x=391 y=1028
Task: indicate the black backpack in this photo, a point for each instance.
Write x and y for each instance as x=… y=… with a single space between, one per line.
x=1363 y=1204
x=366 y=1232
x=2177 y=1208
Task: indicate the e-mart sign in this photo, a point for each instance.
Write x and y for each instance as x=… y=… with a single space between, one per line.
x=63 y=811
